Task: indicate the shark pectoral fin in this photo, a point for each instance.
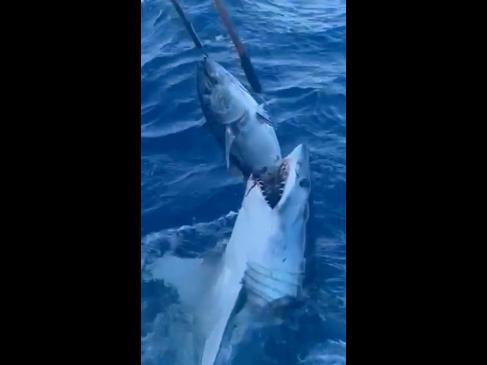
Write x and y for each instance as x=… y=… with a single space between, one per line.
x=213 y=342
x=229 y=138
x=226 y=309
x=237 y=326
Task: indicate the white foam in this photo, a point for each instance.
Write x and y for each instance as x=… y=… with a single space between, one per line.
x=328 y=353
x=209 y=234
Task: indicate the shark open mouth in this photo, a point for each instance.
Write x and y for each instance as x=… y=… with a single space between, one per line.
x=272 y=184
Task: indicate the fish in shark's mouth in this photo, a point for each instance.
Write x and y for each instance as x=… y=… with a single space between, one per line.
x=238 y=122
x=271 y=183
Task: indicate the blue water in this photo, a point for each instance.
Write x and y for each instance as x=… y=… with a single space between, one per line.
x=189 y=200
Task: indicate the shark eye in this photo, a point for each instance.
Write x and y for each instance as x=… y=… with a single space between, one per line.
x=304 y=183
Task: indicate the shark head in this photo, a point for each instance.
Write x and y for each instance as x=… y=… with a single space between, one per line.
x=223 y=98
x=274 y=241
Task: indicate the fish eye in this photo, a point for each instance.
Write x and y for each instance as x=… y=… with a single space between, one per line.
x=304 y=183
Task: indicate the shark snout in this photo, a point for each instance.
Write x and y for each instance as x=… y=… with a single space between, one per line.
x=299 y=158
x=300 y=154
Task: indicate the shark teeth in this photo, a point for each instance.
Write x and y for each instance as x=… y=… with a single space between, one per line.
x=272 y=184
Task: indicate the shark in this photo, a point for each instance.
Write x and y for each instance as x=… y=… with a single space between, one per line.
x=261 y=266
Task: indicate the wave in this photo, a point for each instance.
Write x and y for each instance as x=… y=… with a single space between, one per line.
x=149 y=131
x=188 y=239
x=328 y=353
x=167 y=333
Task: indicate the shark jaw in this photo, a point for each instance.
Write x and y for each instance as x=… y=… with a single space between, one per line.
x=271 y=183
x=291 y=177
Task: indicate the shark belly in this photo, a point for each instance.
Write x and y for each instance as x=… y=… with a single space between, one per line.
x=265 y=286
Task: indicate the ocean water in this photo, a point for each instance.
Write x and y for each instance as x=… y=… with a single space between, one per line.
x=190 y=201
